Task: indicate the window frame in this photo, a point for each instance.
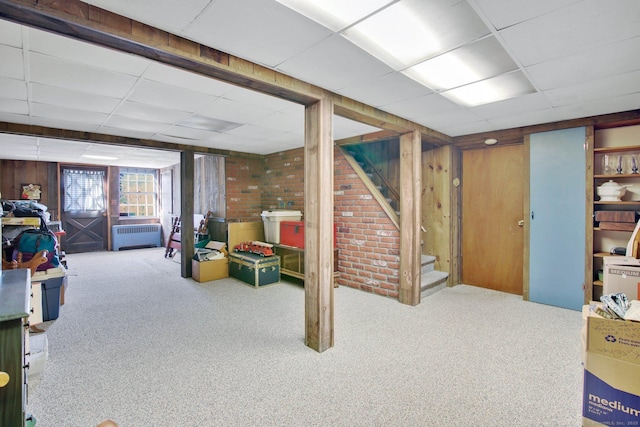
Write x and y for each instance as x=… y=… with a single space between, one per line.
x=122 y=194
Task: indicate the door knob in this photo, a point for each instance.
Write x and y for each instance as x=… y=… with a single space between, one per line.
x=521 y=223
x=4 y=379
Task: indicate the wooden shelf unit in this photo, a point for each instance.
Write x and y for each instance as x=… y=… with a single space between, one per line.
x=292 y=261
x=613 y=147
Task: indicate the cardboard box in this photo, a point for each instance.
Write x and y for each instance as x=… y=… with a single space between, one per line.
x=206 y=271
x=622 y=274
x=611 y=393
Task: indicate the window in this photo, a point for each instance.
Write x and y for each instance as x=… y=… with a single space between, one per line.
x=138 y=192
x=83 y=190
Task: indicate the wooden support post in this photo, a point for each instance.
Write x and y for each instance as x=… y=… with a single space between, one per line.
x=410 y=185
x=318 y=214
x=187 y=243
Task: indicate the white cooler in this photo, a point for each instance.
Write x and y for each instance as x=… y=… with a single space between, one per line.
x=272 y=219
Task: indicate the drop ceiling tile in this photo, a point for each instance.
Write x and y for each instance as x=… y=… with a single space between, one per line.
x=422 y=106
x=232 y=111
x=55 y=112
x=118 y=129
x=91 y=55
x=512 y=106
x=287 y=140
x=172 y=76
x=69 y=75
x=10 y=34
x=63 y=124
x=575 y=28
x=12 y=88
x=615 y=58
x=346 y=128
x=334 y=64
x=256 y=132
x=503 y=13
x=83 y=101
x=22 y=119
x=166 y=96
x=151 y=113
x=135 y=124
x=11 y=65
x=385 y=90
x=606 y=87
x=257 y=99
x=458 y=129
x=600 y=106
x=451 y=119
x=189 y=133
x=268 y=35
x=289 y=122
x=14 y=106
x=197 y=121
x=165 y=14
x=525 y=119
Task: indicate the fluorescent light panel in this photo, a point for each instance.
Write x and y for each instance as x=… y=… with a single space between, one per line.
x=491 y=90
x=471 y=63
x=335 y=14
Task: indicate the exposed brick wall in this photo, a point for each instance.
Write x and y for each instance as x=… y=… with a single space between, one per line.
x=368 y=241
x=244 y=179
x=283 y=186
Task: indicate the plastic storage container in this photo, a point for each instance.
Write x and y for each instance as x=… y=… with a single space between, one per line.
x=292 y=234
x=272 y=220
x=51 y=298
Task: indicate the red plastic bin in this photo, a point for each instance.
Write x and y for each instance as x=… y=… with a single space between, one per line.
x=292 y=234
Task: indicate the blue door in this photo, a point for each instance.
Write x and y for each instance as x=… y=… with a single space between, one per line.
x=557 y=218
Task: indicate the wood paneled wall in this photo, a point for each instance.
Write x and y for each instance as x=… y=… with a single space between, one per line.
x=15 y=173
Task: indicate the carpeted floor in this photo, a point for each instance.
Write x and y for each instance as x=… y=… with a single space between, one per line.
x=136 y=343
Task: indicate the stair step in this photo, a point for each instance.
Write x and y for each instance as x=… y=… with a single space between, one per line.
x=427 y=264
x=433 y=282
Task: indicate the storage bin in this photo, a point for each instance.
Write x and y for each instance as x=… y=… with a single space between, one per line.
x=51 y=298
x=292 y=234
x=272 y=219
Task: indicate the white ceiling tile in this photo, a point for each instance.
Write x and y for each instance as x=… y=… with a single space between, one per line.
x=197 y=121
x=385 y=90
x=152 y=113
x=135 y=124
x=605 y=87
x=422 y=106
x=503 y=13
x=126 y=131
x=257 y=132
x=270 y=33
x=615 y=58
x=65 y=48
x=69 y=75
x=600 y=106
x=452 y=118
x=166 y=96
x=525 y=119
x=346 y=128
x=63 y=124
x=334 y=64
x=164 y=14
x=11 y=65
x=232 y=111
x=166 y=74
x=289 y=122
x=14 y=106
x=12 y=88
x=189 y=133
x=575 y=28
x=10 y=34
x=72 y=99
x=458 y=129
x=257 y=99
x=68 y=114
x=22 y=119
x=513 y=106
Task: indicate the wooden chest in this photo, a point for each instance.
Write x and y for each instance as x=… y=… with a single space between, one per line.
x=254 y=270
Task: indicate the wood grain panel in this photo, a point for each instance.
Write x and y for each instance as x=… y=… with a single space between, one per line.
x=492 y=206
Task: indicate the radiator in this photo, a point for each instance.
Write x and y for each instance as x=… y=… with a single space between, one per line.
x=135 y=236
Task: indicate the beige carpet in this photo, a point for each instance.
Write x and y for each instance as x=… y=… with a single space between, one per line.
x=140 y=345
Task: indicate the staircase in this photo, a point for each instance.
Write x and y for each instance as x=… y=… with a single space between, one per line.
x=431 y=280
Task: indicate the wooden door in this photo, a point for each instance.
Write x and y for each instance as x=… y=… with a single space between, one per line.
x=557 y=241
x=84 y=208
x=492 y=210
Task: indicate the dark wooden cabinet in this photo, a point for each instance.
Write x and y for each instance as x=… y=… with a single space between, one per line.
x=15 y=291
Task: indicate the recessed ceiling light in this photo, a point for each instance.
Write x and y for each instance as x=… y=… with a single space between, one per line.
x=335 y=14
x=491 y=90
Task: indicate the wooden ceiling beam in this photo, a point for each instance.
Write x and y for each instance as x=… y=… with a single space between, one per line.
x=81 y=21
